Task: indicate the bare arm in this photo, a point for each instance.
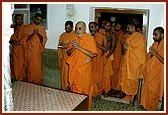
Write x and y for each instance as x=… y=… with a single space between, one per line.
x=113 y=44
x=124 y=45
x=69 y=52
x=103 y=47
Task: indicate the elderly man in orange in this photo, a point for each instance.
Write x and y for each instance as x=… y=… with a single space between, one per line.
x=98 y=62
x=35 y=47
x=81 y=51
x=18 y=43
x=132 y=63
x=64 y=41
x=153 y=88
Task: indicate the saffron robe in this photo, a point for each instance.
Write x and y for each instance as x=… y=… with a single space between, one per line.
x=18 y=54
x=153 y=88
x=117 y=58
x=80 y=73
x=108 y=73
x=34 y=52
x=62 y=57
x=98 y=65
x=133 y=63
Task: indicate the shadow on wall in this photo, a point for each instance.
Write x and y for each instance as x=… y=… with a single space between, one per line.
x=51 y=73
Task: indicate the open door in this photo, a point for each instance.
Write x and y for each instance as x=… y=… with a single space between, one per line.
x=123 y=15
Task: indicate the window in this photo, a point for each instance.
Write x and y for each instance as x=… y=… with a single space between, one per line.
x=39 y=8
x=29 y=10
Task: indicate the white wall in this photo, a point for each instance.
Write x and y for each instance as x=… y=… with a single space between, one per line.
x=58 y=14
x=56 y=19
x=7 y=99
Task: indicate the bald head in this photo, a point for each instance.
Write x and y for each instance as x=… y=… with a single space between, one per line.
x=80 y=28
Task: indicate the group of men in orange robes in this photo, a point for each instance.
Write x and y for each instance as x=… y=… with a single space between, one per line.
x=92 y=63
x=28 y=43
x=96 y=62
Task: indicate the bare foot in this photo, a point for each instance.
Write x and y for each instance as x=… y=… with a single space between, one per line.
x=131 y=105
x=132 y=101
x=106 y=95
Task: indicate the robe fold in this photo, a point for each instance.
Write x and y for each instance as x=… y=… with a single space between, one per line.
x=80 y=73
x=98 y=65
x=117 y=58
x=108 y=73
x=153 y=88
x=62 y=57
x=34 y=52
x=133 y=63
x=18 y=54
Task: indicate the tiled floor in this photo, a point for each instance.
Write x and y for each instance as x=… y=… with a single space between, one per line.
x=113 y=104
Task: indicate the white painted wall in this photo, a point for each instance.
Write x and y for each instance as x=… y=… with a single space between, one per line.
x=7 y=99
x=58 y=14
x=56 y=19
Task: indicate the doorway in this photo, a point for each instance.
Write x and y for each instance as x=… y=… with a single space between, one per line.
x=139 y=16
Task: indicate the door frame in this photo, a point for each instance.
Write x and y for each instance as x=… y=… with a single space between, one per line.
x=144 y=12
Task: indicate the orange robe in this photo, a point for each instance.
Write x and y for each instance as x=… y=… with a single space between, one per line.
x=62 y=57
x=117 y=58
x=108 y=67
x=152 y=91
x=98 y=65
x=107 y=73
x=133 y=63
x=34 y=52
x=18 y=54
x=80 y=73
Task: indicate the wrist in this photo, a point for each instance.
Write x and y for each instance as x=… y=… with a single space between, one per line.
x=77 y=47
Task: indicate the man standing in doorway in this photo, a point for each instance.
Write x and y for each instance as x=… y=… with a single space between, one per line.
x=119 y=34
x=108 y=79
x=132 y=63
